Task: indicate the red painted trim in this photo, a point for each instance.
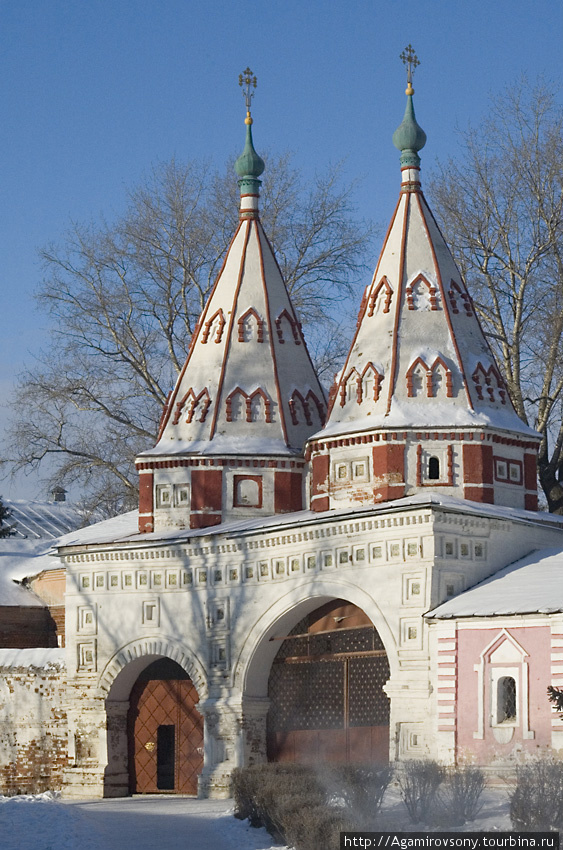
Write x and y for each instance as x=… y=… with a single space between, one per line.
x=205 y=335
x=398 y=306
x=259 y=325
x=269 y=244
x=271 y=341
x=445 y=306
x=360 y=319
x=431 y=292
x=230 y=329
x=198 y=327
x=383 y=284
x=237 y=479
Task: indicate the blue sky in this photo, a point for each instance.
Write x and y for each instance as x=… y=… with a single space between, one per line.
x=94 y=93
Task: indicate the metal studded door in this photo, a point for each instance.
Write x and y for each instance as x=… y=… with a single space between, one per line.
x=327 y=702
x=165 y=732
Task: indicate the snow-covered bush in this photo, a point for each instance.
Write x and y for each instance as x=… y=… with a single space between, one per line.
x=536 y=801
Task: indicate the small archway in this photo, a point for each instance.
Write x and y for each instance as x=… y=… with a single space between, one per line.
x=164 y=731
x=327 y=702
x=142 y=660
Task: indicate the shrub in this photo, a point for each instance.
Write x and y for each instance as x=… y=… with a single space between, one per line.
x=266 y=793
x=313 y=828
x=536 y=801
x=362 y=789
x=418 y=783
x=458 y=797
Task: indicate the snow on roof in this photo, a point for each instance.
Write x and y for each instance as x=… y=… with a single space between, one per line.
x=404 y=414
x=124 y=528
x=37 y=520
x=222 y=445
x=533 y=584
x=47 y=659
x=19 y=559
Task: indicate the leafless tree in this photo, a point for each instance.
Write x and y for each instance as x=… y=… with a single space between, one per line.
x=124 y=299
x=500 y=205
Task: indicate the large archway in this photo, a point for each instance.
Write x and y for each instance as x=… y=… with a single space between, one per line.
x=327 y=702
x=164 y=731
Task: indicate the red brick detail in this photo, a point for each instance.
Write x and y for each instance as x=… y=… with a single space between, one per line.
x=320 y=503
x=237 y=479
x=530 y=473
x=410 y=377
x=146 y=503
x=530 y=502
x=193 y=403
x=287 y=492
x=383 y=284
x=479 y=494
x=293 y=325
x=477 y=465
x=432 y=292
x=207 y=487
x=220 y=325
x=204 y=520
x=259 y=325
x=319 y=483
x=389 y=471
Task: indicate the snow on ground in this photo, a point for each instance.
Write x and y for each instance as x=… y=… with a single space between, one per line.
x=45 y=822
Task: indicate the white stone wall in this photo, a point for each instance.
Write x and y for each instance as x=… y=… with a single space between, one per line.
x=33 y=744
x=213 y=602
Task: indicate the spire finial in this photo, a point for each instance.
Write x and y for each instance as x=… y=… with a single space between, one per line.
x=249 y=166
x=247 y=81
x=411 y=60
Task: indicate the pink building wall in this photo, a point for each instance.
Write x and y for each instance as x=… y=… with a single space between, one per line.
x=484 y=654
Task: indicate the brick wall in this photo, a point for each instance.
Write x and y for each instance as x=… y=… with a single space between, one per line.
x=33 y=744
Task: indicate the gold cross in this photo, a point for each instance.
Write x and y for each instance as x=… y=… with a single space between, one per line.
x=410 y=59
x=248 y=80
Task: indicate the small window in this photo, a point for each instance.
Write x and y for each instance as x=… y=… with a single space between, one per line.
x=501 y=470
x=247 y=491
x=433 y=469
x=163 y=495
x=515 y=473
x=342 y=471
x=450 y=590
x=311 y=562
x=506 y=699
x=449 y=548
x=182 y=495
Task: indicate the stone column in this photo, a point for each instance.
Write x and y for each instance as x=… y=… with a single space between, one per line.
x=234 y=736
x=116 y=774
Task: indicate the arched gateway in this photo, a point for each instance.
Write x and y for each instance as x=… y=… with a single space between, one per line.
x=164 y=731
x=327 y=702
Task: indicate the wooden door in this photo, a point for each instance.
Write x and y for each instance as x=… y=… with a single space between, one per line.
x=165 y=736
x=327 y=702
